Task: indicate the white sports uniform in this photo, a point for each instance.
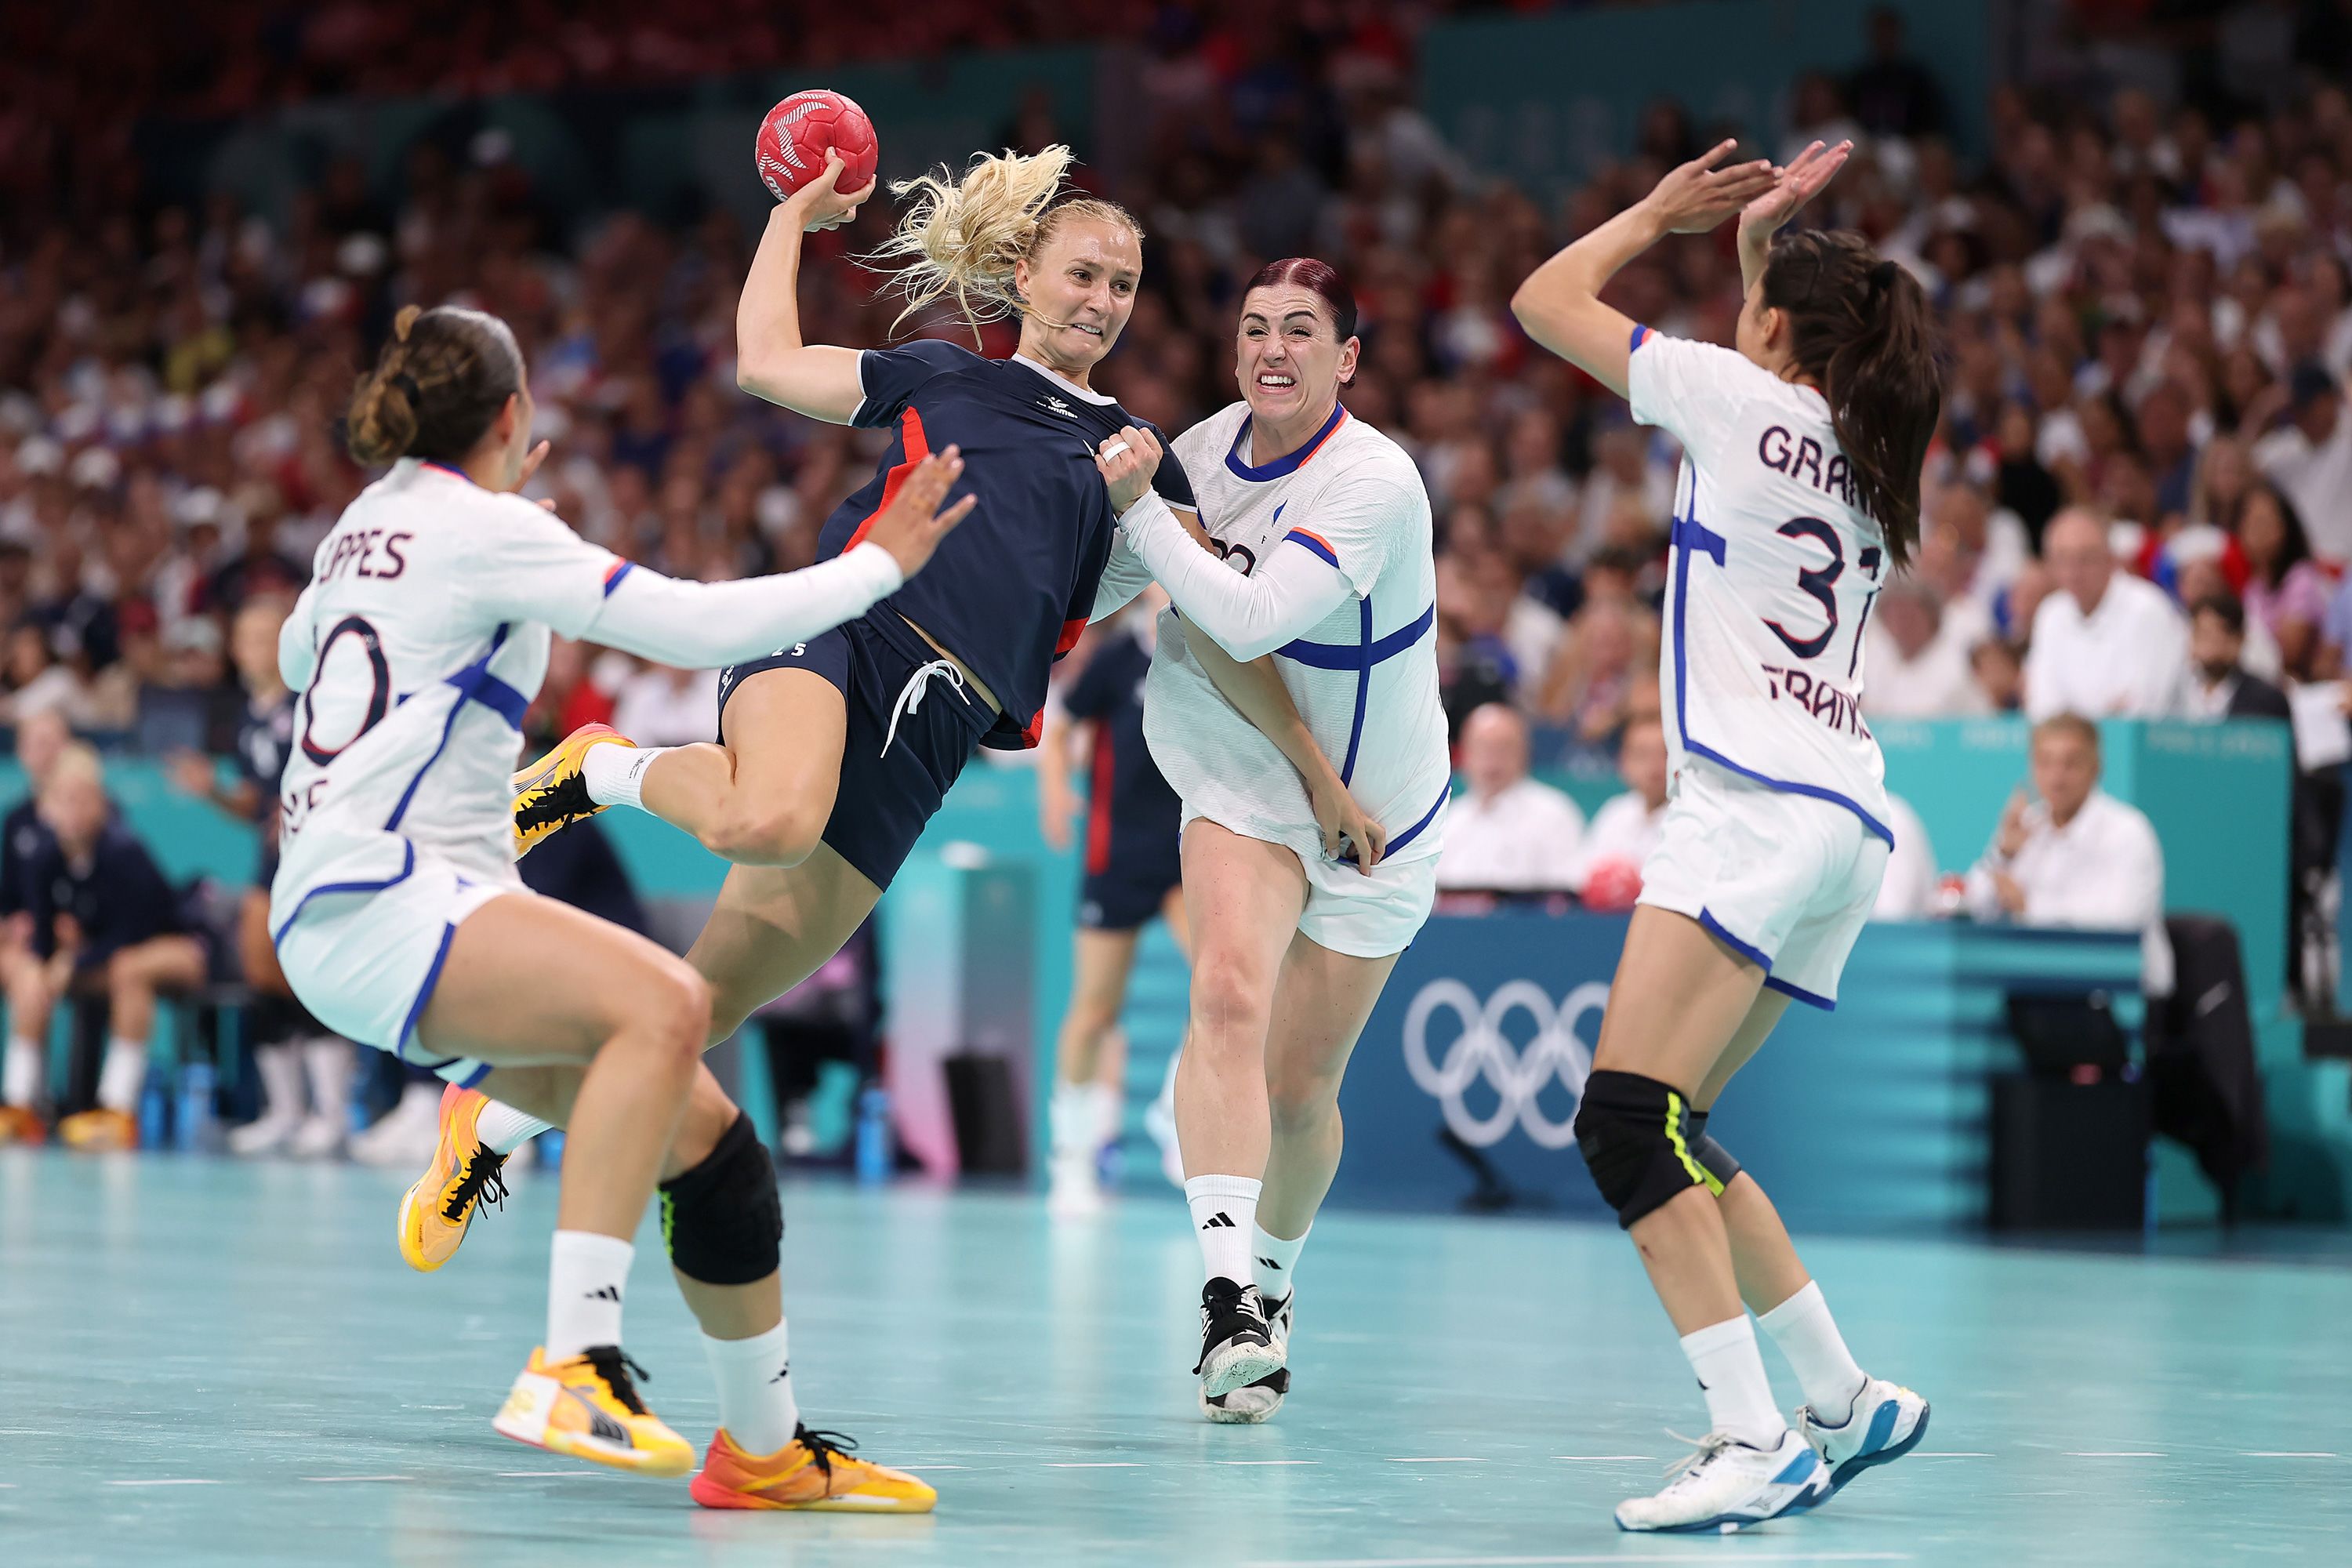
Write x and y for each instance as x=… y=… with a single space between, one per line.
x=416 y=649
x=1328 y=566
x=1777 y=836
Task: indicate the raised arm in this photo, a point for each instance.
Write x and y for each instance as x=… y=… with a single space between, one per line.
x=770 y=361
x=1560 y=304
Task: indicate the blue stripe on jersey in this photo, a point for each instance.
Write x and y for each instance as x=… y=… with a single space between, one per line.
x=1640 y=332
x=1287 y=464
x=1410 y=834
x=1338 y=656
x=613 y=580
x=407 y=867
x=1363 y=691
x=1296 y=536
x=474 y=683
x=1690 y=537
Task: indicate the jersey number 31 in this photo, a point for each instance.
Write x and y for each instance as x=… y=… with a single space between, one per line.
x=1821 y=583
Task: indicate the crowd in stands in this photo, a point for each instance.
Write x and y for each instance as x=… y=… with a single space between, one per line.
x=2147 y=298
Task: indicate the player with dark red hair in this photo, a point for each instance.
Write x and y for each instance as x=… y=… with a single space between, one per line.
x=1299 y=914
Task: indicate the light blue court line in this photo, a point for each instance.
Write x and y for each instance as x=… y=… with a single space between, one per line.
x=1715 y=1557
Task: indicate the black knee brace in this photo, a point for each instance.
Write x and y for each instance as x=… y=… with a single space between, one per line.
x=1712 y=1157
x=722 y=1220
x=1633 y=1131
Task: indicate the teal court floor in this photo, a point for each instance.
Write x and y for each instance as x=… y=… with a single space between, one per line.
x=207 y=1363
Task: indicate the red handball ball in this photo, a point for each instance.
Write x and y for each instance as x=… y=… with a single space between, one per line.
x=1613 y=884
x=794 y=138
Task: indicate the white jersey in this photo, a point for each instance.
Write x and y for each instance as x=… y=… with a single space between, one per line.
x=1364 y=678
x=1775 y=570
x=426 y=628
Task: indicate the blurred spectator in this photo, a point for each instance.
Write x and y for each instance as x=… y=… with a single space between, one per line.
x=1996 y=677
x=2105 y=644
x=1907 y=892
x=1916 y=666
x=2286 y=590
x=1507 y=833
x=1607 y=871
x=658 y=706
x=105 y=924
x=2310 y=458
x=2221 y=689
x=2069 y=854
x=24 y=841
x=1895 y=95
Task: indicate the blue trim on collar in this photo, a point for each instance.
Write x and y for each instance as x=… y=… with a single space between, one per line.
x=449 y=469
x=1289 y=462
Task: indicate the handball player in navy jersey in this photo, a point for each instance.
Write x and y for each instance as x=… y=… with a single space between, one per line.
x=1134 y=874
x=834 y=752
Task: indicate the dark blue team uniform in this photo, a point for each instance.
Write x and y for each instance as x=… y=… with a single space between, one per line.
x=264 y=740
x=1132 y=813
x=1008 y=592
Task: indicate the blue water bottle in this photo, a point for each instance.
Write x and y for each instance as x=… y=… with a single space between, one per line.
x=194 y=1128
x=874 y=1148
x=154 y=1109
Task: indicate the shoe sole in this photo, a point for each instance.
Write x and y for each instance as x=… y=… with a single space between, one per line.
x=596 y=1451
x=1239 y=1369
x=1842 y=1473
x=719 y=1497
x=1225 y=1415
x=539 y=774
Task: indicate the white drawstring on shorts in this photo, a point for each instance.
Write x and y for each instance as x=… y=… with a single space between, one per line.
x=911 y=696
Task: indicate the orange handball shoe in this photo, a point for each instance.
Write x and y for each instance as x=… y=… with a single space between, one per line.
x=552 y=792
x=20 y=1124
x=435 y=1212
x=812 y=1472
x=586 y=1408
x=99 y=1131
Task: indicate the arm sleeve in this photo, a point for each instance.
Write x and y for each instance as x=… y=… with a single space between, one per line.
x=1248 y=616
x=887 y=377
x=1679 y=385
x=536 y=569
x=1124 y=575
x=298 y=655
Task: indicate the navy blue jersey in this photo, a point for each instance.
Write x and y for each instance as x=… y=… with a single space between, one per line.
x=1010 y=590
x=265 y=739
x=119 y=898
x=22 y=835
x=1131 y=809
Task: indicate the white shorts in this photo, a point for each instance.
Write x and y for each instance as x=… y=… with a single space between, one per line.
x=364 y=951
x=1784 y=881
x=1361 y=916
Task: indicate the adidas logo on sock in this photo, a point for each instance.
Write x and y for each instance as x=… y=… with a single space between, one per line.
x=608 y=1293
x=1220 y=1220
x=787 y=1373
x=1268 y=1263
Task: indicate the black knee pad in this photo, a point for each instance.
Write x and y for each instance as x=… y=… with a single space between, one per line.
x=1633 y=1131
x=1712 y=1157
x=723 y=1220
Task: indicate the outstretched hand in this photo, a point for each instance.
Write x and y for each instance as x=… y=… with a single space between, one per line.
x=1694 y=197
x=912 y=525
x=1800 y=183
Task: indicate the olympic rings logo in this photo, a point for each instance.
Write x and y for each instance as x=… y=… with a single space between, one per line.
x=1481 y=1051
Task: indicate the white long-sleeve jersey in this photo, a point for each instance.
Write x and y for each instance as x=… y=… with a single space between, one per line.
x=423 y=638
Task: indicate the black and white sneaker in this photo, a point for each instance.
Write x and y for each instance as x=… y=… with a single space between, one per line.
x=1257 y=1402
x=1236 y=1345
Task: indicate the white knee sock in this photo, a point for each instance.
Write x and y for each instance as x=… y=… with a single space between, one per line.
x=125 y=1072
x=505 y=1129
x=20 y=1081
x=1808 y=1336
x=755 y=1389
x=615 y=776
x=1276 y=1260
x=332 y=1067
x=586 y=1274
x=1224 y=1213
x=280 y=1067
x=1731 y=1373
x=1083 y=1118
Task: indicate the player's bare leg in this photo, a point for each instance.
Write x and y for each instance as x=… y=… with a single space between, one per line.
x=1084 y=1112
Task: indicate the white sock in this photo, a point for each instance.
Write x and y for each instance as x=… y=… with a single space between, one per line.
x=1224 y=1213
x=755 y=1390
x=280 y=1067
x=332 y=1067
x=20 y=1081
x=615 y=776
x=586 y=1274
x=505 y=1129
x=1731 y=1373
x=1808 y=1336
x=1276 y=1260
x=1080 y=1117
x=125 y=1072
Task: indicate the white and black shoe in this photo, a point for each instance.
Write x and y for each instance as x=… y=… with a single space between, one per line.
x=1730 y=1485
x=1257 y=1402
x=1236 y=1345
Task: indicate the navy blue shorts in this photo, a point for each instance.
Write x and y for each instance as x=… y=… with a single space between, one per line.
x=883 y=802
x=1134 y=882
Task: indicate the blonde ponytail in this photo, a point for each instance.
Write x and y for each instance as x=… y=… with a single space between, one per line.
x=962 y=237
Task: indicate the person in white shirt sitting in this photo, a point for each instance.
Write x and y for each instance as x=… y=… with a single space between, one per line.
x=2105 y=643
x=1908 y=892
x=1509 y=833
x=2076 y=856
x=1607 y=870
x=1918 y=661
